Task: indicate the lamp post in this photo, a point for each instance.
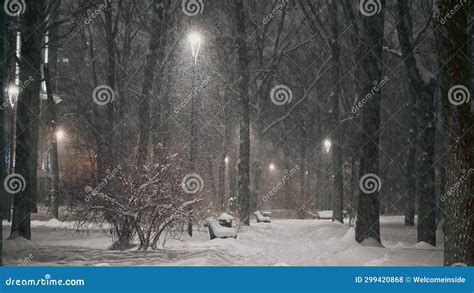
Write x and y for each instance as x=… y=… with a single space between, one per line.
x=226 y=176
x=327 y=146
x=12 y=92
x=195 y=40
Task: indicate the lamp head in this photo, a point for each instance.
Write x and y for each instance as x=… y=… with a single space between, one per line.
x=194 y=38
x=195 y=41
x=60 y=135
x=271 y=167
x=327 y=145
x=13 y=91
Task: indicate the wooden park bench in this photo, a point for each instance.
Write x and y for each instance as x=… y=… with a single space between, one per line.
x=218 y=231
x=261 y=218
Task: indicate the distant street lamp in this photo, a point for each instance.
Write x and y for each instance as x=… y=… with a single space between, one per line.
x=226 y=160
x=271 y=167
x=327 y=145
x=60 y=135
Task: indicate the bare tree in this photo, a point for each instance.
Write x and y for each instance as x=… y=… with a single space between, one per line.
x=453 y=44
x=367 y=223
x=423 y=87
x=32 y=29
x=52 y=143
x=51 y=118
x=156 y=47
x=3 y=169
x=337 y=164
x=244 y=108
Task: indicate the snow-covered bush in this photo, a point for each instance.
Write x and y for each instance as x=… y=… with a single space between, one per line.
x=141 y=202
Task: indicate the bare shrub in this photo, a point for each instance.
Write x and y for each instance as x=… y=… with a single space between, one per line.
x=140 y=202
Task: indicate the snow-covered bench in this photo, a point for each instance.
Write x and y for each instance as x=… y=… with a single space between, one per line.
x=262 y=218
x=326 y=215
x=218 y=231
x=225 y=220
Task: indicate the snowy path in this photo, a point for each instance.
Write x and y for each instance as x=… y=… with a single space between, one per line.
x=282 y=242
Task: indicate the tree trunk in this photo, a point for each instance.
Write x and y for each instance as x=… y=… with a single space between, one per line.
x=424 y=91
x=410 y=194
x=303 y=175
x=244 y=145
x=318 y=159
x=52 y=143
x=225 y=156
x=289 y=200
x=32 y=30
x=3 y=169
x=105 y=113
x=221 y=181
x=425 y=170
x=154 y=48
x=51 y=119
x=452 y=37
x=354 y=190
x=367 y=224
x=337 y=164
x=195 y=109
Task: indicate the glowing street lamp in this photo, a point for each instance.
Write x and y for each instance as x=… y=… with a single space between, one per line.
x=226 y=160
x=195 y=40
x=12 y=91
x=327 y=145
x=60 y=135
x=271 y=167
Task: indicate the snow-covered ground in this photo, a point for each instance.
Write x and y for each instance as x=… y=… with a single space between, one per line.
x=281 y=242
